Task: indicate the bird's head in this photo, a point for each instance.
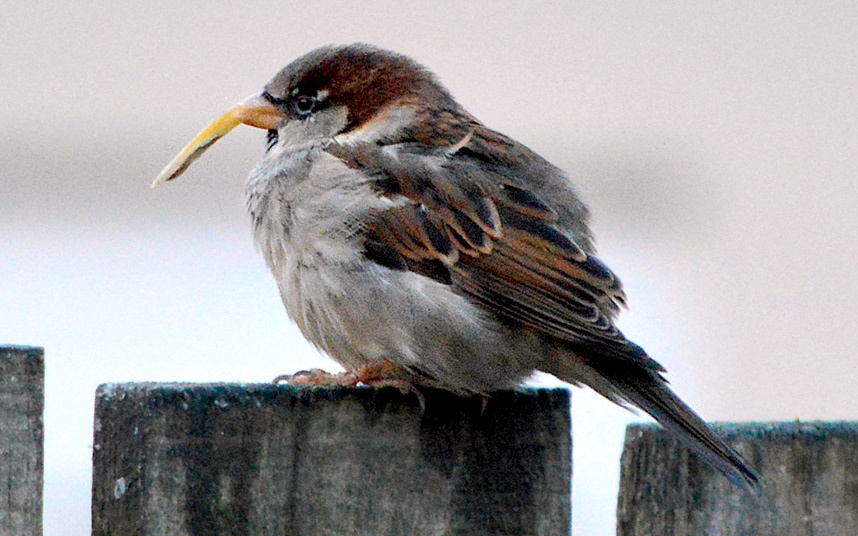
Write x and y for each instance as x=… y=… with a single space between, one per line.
x=355 y=93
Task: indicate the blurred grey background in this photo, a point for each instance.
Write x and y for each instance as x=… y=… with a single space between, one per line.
x=716 y=142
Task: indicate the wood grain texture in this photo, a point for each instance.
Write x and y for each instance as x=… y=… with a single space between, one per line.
x=808 y=483
x=22 y=402
x=184 y=459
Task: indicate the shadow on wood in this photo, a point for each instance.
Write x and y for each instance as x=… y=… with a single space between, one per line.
x=261 y=459
x=808 y=484
x=22 y=401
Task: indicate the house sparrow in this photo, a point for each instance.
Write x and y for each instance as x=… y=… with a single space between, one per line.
x=412 y=243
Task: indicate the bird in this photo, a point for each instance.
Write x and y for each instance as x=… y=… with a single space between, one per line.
x=414 y=245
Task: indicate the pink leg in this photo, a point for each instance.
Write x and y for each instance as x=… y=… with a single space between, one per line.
x=381 y=373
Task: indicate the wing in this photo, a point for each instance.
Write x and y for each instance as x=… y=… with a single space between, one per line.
x=472 y=222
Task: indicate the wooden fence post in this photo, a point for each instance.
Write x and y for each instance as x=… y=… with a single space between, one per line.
x=808 y=483
x=204 y=459
x=22 y=401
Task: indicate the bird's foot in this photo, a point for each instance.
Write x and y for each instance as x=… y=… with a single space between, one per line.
x=383 y=373
x=378 y=374
x=317 y=378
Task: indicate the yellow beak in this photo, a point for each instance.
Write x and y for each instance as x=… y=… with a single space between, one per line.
x=255 y=111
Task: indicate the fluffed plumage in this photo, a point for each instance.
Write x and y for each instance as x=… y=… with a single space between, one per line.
x=399 y=227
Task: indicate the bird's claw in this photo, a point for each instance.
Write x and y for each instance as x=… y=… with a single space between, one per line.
x=317 y=378
x=377 y=374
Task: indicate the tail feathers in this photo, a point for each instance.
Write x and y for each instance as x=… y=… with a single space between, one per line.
x=652 y=395
x=647 y=390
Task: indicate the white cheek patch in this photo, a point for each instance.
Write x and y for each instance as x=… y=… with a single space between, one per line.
x=386 y=124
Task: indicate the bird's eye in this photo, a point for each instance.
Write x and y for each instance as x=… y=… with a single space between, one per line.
x=304 y=105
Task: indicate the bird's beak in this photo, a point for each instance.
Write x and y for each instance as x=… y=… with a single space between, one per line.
x=255 y=111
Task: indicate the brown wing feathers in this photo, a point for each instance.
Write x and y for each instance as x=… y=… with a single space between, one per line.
x=499 y=244
x=495 y=241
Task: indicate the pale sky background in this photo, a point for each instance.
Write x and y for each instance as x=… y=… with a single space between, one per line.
x=716 y=143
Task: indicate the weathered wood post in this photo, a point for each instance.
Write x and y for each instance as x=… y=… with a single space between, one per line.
x=184 y=459
x=808 y=484
x=22 y=401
